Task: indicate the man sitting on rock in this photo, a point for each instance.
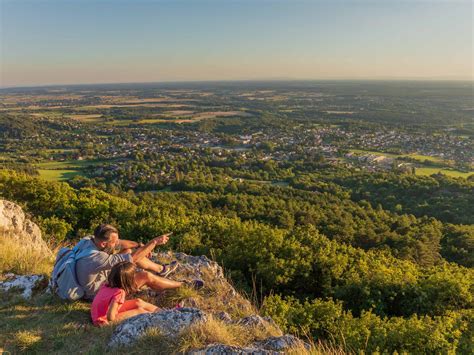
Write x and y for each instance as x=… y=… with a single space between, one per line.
x=93 y=270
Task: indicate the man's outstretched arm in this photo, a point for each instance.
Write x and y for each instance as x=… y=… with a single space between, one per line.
x=142 y=252
x=129 y=244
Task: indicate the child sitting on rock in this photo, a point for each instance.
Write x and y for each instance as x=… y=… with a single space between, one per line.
x=109 y=304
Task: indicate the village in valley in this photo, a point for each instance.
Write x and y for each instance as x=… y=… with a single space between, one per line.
x=151 y=133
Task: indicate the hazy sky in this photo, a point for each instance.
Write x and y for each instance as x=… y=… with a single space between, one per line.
x=90 y=41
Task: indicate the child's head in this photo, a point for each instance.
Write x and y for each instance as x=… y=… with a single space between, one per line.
x=122 y=276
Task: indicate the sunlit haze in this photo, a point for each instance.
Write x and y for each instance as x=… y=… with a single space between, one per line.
x=92 y=41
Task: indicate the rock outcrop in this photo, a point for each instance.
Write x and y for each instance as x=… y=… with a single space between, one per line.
x=172 y=323
x=282 y=343
x=256 y=321
x=270 y=346
x=15 y=225
x=168 y=323
x=222 y=302
x=183 y=308
x=193 y=267
x=219 y=349
x=23 y=284
x=218 y=300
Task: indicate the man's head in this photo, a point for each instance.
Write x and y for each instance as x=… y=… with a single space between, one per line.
x=106 y=238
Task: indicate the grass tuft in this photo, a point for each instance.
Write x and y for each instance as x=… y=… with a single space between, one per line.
x=153 y=342
x=324 y=348
x=25 y=340
x=22 y=260
x=213 y=331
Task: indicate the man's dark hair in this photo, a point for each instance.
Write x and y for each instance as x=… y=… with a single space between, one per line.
x=122 y=276
x=104 y=231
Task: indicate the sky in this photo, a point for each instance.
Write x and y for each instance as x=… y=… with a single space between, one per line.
x=46 y=42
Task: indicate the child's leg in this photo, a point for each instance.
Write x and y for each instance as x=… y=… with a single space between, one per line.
x=130 y=313
x=137 y=303
x=129 y=309
x=148 y=306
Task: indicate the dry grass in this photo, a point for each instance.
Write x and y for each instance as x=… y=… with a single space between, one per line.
x=185 y=293
x=213 y=114
x=46 y=324
x=217 y=295
x=202 y=334
x=179 y=112
x=152 y=100
x=321 y=348
x=20 y=259
x=213 y=331
x=101 y=106
x=185 y=116
x=153 y=342
x=25 y=339
x=86 y=118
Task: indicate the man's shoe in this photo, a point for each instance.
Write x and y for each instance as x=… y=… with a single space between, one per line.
x=168 y=268
x=196 y=284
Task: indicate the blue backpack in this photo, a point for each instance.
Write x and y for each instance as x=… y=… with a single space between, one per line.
x=64 y=279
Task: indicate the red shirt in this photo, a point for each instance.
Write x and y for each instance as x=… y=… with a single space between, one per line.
x=101 y=303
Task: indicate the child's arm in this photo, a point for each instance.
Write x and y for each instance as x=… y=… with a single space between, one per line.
x=112 y=311
x=114 y=315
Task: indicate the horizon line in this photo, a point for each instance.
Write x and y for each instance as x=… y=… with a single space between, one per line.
x=236 y=80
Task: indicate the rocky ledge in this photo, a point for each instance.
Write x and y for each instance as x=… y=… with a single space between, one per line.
x=172 y=323
x=224 y=303
x=217 y=304
x=25 y=285
x=16 y=225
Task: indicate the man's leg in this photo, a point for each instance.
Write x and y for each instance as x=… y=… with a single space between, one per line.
x=156 y=283
x=147 y=264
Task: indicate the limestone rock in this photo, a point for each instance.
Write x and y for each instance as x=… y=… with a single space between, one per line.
x=189 y=303
x=26 y=284
x=214 y=349
x=271 y=345
x=257 y=321
x=14 y=224
x=193 y=266
x=168 y=322
x=282 y=343
x=223 y=316
x=225 y=300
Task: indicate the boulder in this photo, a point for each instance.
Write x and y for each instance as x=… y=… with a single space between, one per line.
x=193 y=266
x=189 y=302
x=282 y=343
x=168 y=322
x=15 y=225
x=272 y=345
x=257 y=321
x=217 y=294
x=223 y=316
x=214 y=349
x=25 y=284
